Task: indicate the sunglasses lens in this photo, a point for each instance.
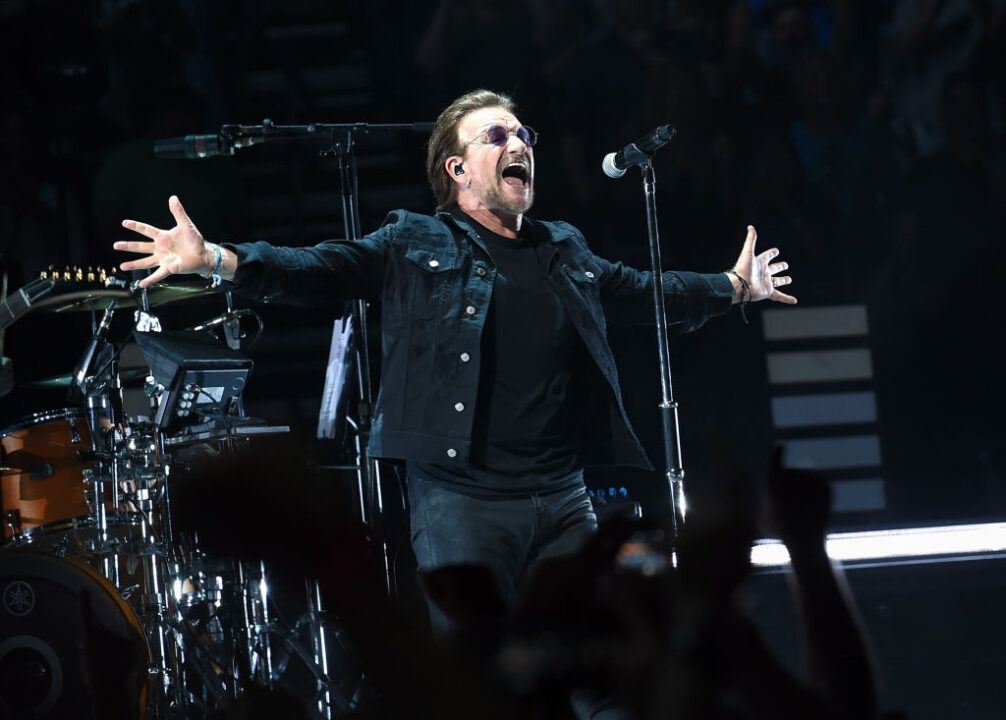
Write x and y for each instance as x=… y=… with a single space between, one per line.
x=497 y=135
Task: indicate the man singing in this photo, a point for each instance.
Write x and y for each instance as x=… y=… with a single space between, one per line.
x=498 y=383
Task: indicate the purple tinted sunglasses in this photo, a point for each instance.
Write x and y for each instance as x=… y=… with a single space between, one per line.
x=498 y=135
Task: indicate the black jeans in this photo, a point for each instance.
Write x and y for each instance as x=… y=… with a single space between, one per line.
x=507 y=534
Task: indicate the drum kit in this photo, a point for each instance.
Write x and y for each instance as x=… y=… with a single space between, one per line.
x=107 y=608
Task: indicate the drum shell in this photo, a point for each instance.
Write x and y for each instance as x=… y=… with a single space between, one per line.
x=54 y=438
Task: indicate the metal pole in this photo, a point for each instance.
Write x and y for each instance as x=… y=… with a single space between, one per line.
x=369 y=473
x=674 y=472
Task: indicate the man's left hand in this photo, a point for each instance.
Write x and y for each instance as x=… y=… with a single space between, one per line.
x=760 y=273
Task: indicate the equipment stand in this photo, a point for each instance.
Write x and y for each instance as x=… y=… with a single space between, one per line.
x=674 y=473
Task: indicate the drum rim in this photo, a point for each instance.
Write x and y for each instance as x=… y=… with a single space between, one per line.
x=41 y=418
x=26 y=538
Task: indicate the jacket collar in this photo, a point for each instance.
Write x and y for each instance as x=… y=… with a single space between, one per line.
x=553 y=232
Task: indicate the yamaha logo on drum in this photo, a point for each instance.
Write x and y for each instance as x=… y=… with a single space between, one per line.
x=19 y=598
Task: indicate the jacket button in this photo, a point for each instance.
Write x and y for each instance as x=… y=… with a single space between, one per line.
x=480 y=271
x=452 y=453
x=589 y=275
x=434 y=263
x=459 y=407
x=465 y=357
x=470 y=309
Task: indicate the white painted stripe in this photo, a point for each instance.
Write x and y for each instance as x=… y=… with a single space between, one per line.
x=815 y=322
x=836 y=452
x=857 y=495
x=905 y=542
x=824 y=409
x=819 y=366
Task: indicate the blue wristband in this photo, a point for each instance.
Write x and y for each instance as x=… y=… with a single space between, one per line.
x=214 y=276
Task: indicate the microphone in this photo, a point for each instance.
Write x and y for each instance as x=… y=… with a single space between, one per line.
x=42 y=472
x=192 y=147
x=87 y=359
x=616 y=164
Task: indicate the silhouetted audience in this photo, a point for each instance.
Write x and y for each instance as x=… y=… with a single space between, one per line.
x=620 y=619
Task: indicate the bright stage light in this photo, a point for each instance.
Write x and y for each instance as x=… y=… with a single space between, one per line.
x=889 y=546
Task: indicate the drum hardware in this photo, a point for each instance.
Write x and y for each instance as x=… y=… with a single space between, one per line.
x=229 y=322
x=92 y=487
x=57 y=382
x=83 y=368
x=21 y=462
x=12 y=522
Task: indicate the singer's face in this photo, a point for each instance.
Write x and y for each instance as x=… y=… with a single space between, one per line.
x=502 y=177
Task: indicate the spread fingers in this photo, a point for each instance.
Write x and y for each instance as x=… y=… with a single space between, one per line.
x=134 y=246
x=148 y=230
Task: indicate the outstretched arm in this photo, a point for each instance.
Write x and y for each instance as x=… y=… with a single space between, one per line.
x=180 y=250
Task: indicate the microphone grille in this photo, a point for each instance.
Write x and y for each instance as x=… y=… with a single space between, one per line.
x=608 y=165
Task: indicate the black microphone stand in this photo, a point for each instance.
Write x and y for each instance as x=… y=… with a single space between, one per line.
x=673 y=471
x=368 y=472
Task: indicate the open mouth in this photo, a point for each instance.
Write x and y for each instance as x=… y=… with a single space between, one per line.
x=515 y=175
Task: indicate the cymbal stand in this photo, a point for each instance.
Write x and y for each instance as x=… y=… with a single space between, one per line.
x=151 y=497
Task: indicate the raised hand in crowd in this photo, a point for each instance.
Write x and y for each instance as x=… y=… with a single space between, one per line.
x=837 y=657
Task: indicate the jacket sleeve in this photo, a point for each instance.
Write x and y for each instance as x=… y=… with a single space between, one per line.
x=331 y=272
x=689 y=298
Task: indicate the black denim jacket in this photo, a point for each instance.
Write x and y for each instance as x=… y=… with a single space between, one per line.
x=434 y=279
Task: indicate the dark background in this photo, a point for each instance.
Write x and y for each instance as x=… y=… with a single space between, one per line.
x=863 y=138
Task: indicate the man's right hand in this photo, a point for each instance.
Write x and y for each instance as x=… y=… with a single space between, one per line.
x=176 y=251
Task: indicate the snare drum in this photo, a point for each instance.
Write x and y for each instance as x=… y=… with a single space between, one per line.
x=69 y=645
x=43 y=477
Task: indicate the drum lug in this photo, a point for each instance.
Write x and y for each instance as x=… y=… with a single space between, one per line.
x=12 y=520
x=60 y=547
x=75 y=437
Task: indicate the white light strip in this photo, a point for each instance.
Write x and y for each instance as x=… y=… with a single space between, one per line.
x=901 y=543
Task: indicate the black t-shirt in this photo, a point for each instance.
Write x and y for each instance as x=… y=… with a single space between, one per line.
x=523 y=437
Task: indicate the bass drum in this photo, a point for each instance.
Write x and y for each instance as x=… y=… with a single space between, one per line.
x=69 y=645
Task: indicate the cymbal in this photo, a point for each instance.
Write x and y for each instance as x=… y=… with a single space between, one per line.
x=85 y=297
x=64 y=381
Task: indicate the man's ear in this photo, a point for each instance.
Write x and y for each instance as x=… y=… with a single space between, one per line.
x=455 y=166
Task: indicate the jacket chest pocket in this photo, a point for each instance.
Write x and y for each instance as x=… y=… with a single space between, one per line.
x=583 y=279
x=433 y=280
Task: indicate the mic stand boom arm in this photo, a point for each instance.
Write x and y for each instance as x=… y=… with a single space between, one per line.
x=234 y=137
